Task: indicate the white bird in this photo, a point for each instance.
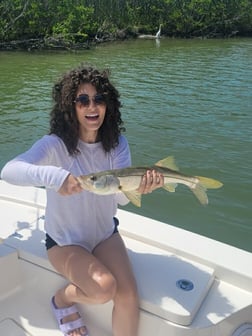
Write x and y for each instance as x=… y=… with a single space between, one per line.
x=159 y=32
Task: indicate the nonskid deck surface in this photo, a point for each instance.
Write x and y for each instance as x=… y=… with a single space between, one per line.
x=10 y=327
x=220 y=301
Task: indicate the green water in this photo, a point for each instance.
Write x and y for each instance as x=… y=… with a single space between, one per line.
x=187 y=98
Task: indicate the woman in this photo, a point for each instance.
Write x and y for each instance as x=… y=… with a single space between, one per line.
x=82 y=239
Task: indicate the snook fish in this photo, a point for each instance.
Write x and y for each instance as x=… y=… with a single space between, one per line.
x=127 y=180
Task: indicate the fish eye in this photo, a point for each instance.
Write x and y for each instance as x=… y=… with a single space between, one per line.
x=93 y=178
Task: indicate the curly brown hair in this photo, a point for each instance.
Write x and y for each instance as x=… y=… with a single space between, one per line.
x=63 y=120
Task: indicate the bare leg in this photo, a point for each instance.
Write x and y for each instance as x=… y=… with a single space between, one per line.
x=90 y=281
x=98 y=278
x=113 y=254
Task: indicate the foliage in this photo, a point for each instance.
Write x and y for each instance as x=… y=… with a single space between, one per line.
x=79 y=20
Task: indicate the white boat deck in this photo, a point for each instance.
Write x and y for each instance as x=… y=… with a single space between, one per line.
x=219 y=301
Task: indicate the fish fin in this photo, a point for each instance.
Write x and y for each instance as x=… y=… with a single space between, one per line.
x=134 y=197
x=168 y=162
x=170 y=187
x=200 y=192
x=209 y=183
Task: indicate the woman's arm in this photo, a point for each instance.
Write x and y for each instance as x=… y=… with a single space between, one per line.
x=35 y=167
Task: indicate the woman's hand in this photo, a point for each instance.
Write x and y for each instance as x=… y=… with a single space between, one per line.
x=70 y=186
x=150 y=181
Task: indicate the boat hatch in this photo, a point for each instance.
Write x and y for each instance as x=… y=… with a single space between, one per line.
x=169 y=286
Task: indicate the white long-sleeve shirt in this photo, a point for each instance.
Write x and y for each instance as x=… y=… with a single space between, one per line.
x=82 y=219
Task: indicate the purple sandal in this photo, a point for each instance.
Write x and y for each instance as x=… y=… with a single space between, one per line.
x=60 y=313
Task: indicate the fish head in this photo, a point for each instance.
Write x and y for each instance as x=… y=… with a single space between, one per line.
x=103 y=184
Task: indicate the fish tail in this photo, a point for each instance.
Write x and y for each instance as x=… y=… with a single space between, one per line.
x=209 y=183
x=200 y=192
x=203 y=184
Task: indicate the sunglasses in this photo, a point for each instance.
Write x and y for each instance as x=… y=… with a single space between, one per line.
x=85 y=100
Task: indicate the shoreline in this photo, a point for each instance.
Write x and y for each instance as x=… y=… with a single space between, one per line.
x=59 y=43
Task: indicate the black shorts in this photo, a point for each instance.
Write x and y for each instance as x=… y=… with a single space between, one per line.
x=49 y=242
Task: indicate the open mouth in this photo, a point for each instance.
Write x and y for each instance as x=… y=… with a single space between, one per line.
x=92 y=116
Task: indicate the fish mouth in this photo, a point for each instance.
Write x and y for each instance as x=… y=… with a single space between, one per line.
x=92 y=116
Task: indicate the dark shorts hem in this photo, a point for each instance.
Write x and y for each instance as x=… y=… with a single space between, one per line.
x=49 y=242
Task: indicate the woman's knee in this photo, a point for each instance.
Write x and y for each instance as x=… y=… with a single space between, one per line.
x=106 y=287
x=101 y=289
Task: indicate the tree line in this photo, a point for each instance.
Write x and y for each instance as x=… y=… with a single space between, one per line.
x=83 y=20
